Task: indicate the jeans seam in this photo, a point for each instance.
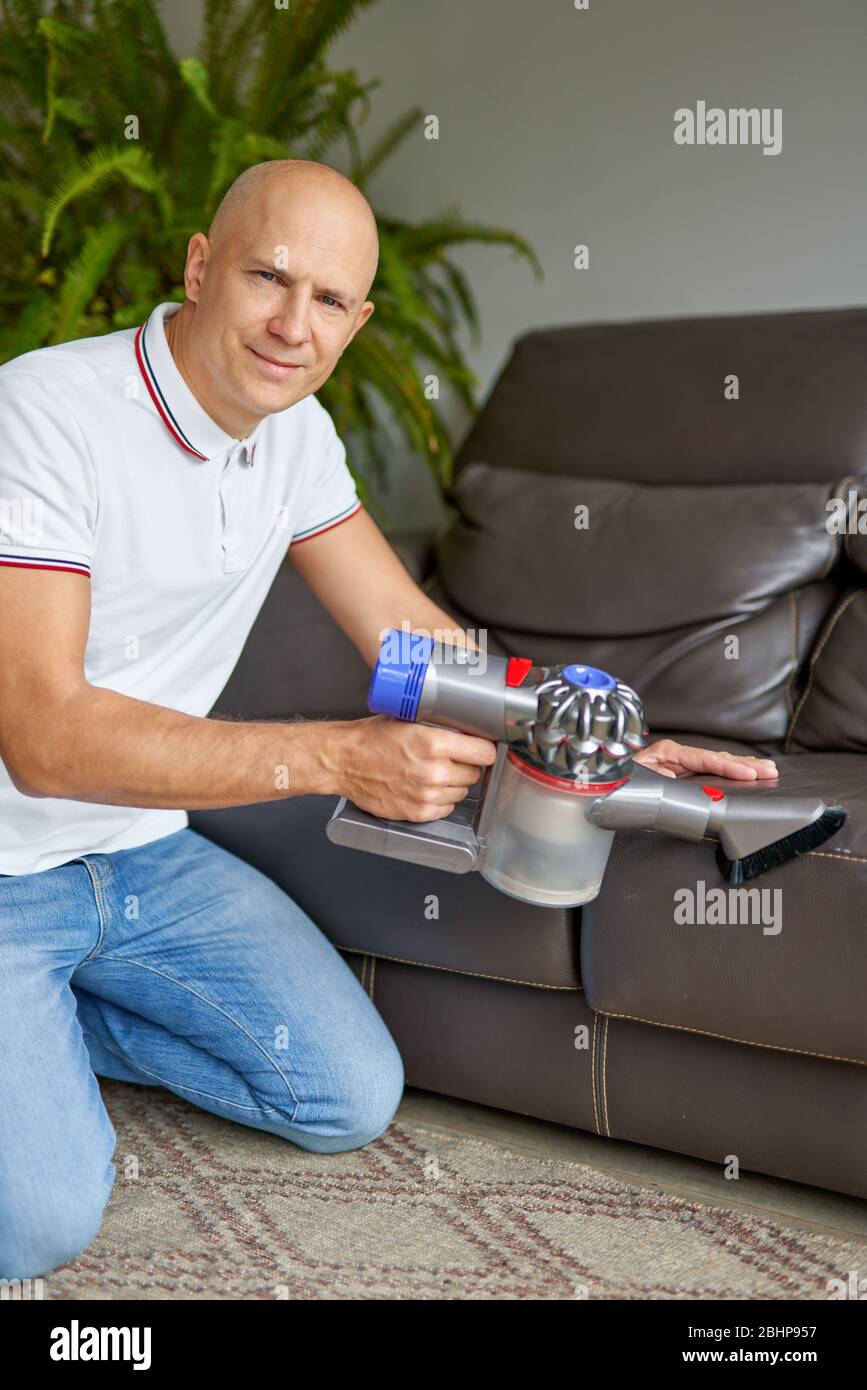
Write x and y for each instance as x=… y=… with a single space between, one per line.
x=178 y=1085
x=127 y=960
x=101 y=910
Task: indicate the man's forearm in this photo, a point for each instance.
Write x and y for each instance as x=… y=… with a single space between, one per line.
x=100 y=746
x=424 y=616
x=359 y=579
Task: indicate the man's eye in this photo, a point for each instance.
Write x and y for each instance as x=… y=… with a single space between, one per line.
x=333 y=301
x=269 y=273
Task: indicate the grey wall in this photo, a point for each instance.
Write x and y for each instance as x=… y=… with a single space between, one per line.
x=558 y=123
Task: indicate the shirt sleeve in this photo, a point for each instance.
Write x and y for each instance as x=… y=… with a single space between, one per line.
x=330 y=496
x=48 y=499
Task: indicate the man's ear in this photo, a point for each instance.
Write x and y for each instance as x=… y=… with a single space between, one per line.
x=198 y=255
x=363 y=316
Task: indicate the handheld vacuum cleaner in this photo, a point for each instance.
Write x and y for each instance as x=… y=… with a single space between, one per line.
x=540 y=821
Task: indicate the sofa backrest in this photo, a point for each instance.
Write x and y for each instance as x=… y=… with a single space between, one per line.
x=645 y=402
x=655 y=498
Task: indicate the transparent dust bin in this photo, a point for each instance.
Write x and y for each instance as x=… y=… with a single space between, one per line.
x=538 y=843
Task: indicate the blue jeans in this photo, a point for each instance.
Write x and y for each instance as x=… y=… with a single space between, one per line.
x=178 y=965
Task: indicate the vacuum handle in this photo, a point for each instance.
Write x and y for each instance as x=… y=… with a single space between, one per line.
x=453 y=843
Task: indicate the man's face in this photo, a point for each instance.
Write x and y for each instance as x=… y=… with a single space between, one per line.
x=280 y=299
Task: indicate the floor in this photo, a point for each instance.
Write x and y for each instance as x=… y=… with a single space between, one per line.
x=791 y=1204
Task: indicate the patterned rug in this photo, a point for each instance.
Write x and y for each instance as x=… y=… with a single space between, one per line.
x=204 y=1209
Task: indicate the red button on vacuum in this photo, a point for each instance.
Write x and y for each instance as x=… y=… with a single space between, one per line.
x=517 y=669
x=715 y=793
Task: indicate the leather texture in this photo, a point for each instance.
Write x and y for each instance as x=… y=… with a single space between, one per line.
x=645 y=401
x=679 y=590
x=832 y=709
x=800 y=987
x=551 y=1056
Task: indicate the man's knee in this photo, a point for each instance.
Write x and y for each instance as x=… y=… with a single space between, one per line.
x=37 y=1237
x=361 y=1104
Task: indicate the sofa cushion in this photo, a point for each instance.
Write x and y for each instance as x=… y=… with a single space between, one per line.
x=832 y=710
x=800 y=988
x=653 y=588
x=647 y=400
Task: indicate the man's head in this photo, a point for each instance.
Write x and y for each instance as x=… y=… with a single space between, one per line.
x=282 y=277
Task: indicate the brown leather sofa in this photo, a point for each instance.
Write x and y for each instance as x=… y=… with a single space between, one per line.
x=707 y=577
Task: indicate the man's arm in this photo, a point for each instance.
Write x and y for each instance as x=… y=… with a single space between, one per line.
x=359 y=579
x=60 y=736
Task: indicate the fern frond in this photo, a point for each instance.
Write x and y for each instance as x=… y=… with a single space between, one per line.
x=85 y=275
x=133 y=164
x=429 y=238
x=35 y=322
x=231 y=56
x=464 y=297
x=387 y=143
x=196 y=76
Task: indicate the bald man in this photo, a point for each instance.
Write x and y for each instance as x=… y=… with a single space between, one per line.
x=151 y=483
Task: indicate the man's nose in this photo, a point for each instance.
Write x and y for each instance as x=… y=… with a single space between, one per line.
x=293 y=321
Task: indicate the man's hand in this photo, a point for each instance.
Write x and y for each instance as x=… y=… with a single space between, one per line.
x=415 y=772
x=678 y=760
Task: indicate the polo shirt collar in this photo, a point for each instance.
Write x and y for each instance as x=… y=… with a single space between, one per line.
x=186 y=420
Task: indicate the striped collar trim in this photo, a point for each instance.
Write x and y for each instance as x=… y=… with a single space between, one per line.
x=188 y=423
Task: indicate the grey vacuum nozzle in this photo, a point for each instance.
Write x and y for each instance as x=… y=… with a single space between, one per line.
x=755 y=833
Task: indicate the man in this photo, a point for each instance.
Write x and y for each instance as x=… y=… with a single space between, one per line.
x=151 y=482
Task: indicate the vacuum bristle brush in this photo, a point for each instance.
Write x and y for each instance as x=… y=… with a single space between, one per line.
x=541 y=824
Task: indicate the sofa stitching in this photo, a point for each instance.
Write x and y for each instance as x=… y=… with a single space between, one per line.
x=839 y=855
x=453 y=970
x=605 y=1078
x=727 y=1037
x=831 y=624
x=372 y=975
x=593 y=1074
x=633 y=1018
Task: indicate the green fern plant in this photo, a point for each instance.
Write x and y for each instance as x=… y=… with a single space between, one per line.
x=112 y=154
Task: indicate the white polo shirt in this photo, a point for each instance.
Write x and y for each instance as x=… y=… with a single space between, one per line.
x=110 y=468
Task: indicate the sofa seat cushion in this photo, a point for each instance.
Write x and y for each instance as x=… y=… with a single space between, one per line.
x=383 y=907
x=786 y=970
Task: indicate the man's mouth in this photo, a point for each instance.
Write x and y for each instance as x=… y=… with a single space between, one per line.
x=276 y=368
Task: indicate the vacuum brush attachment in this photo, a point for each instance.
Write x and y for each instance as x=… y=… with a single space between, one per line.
x=827 y=822
x=756 y=833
